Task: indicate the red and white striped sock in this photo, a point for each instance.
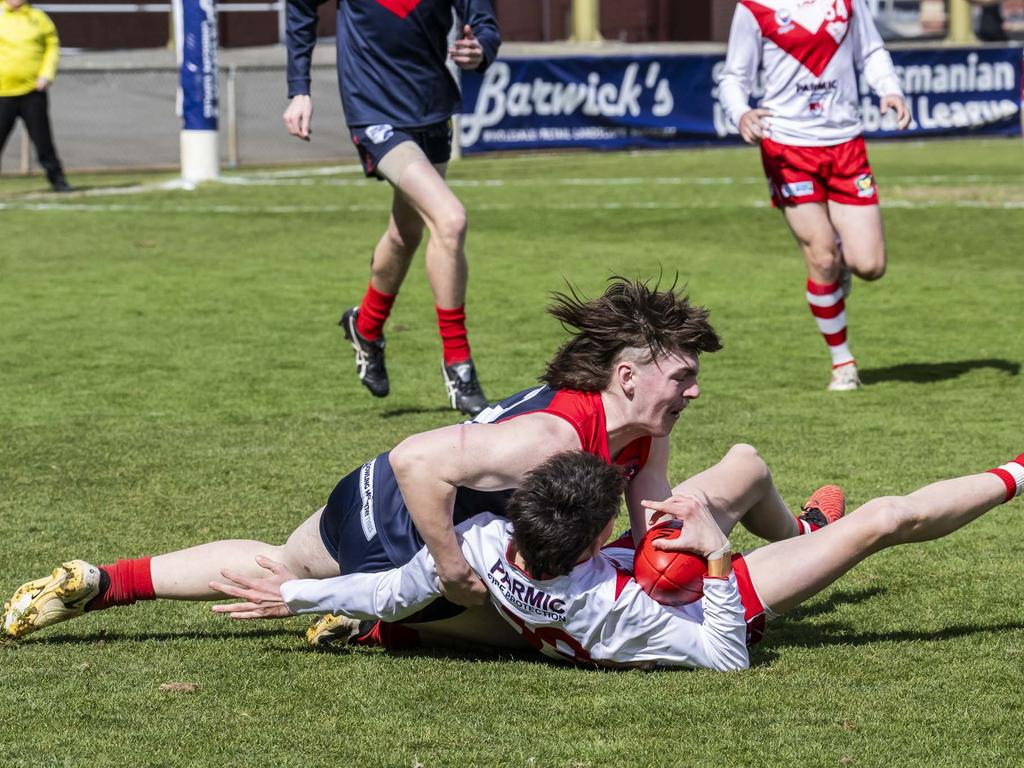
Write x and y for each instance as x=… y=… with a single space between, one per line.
x=829 y=310
x=1012 y=475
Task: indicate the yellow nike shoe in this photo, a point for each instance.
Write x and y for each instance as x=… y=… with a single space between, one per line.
x=332 y=629
x=61 y=596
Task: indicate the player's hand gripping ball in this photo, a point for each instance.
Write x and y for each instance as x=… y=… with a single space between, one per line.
x=671 y=578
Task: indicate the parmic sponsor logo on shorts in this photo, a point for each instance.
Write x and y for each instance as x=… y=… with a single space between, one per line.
x=378 y=134
x=525 y=597
x=798 y=189
x=865 y=185
x=366 y=494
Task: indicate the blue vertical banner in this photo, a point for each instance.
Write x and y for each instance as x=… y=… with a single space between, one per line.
x=196 y=36
x=619 y=102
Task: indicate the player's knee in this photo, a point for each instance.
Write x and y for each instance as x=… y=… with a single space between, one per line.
x=875 y=270
x=823 y=256
x=451 y=226
x=886 y=520
x=750 y=459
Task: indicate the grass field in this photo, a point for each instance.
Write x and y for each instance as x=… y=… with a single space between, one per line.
x=171 y=373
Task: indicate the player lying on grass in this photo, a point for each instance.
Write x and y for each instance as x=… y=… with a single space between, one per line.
x=615 y=389
x=550 y=578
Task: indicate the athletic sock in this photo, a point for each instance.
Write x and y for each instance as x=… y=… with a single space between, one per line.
x=1012 y=475
x=829 y=310
x=125 y=582
x=373 y=313
x=451 y=324
x=394 y=637
x=806 y=526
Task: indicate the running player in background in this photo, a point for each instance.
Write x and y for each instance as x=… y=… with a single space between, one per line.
x=808 y=125
x=573 y=600
x=398 y=97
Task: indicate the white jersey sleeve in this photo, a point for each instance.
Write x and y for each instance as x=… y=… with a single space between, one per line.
x=869 y=53
x=388 y=595
x=742 y=60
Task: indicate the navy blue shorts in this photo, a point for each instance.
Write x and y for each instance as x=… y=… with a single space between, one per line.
x=343 y=532
x=375 y=141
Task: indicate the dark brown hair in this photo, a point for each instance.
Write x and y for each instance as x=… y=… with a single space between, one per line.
x=629 y=314
x=561 y=507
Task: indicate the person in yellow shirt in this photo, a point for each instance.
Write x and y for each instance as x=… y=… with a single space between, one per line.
x=29 y=51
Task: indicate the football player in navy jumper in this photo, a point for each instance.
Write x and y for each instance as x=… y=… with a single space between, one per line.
x=398 y=96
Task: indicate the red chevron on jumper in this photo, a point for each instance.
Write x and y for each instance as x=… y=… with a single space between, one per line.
x=811 y=35
x=401 y=8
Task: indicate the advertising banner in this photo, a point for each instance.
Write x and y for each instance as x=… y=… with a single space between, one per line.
x=196 y=38
x=618 y=102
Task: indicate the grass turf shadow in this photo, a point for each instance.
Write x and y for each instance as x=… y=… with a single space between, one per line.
x=789 y=632
x=925 y=373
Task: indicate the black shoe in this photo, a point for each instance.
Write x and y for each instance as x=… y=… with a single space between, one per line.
x=463 y=387
x=369 y=356
x=60 y=184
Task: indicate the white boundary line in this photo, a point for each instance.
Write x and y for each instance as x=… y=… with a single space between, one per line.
x=74 y=207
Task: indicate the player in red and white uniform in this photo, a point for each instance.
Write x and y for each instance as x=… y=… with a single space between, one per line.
x=808 y=125
x=574 y=601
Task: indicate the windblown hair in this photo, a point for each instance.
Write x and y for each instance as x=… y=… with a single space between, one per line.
x=630 y=315
x=560 y=509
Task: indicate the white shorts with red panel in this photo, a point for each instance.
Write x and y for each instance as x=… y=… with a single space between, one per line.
x=799 y=175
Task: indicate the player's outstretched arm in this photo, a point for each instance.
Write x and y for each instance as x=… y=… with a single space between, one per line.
x=261 y=596
x=487 y=457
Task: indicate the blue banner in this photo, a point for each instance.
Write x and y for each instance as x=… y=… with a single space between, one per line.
x=197 y=55
x=618 y=102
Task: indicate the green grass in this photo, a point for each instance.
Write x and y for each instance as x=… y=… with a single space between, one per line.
x=170 y=373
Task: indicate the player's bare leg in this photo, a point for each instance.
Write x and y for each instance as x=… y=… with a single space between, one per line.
x=423 y=187
x=187 y=573
x=816 y=237
x=863 y=236
x=76 y=586
x=814 y=233
x=786 y=573
x=739 y=489
x=396 y=248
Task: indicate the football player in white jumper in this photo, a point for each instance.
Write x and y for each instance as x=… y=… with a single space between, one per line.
x=809 y=127
x=550 y=578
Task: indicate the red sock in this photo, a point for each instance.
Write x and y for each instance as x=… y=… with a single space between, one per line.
x=130 y=580
x=1012 y=475
x=373 y=313
x=806 y=526
x=451 y=324
x=394 y=637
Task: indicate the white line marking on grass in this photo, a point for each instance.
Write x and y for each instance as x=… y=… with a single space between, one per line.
x=383 y=208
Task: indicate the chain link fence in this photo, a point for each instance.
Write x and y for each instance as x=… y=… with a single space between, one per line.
x=125 y=118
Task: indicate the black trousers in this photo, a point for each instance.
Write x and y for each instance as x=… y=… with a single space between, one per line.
x=33 y=108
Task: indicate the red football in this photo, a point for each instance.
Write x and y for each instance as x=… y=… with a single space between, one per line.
x=671 y=578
